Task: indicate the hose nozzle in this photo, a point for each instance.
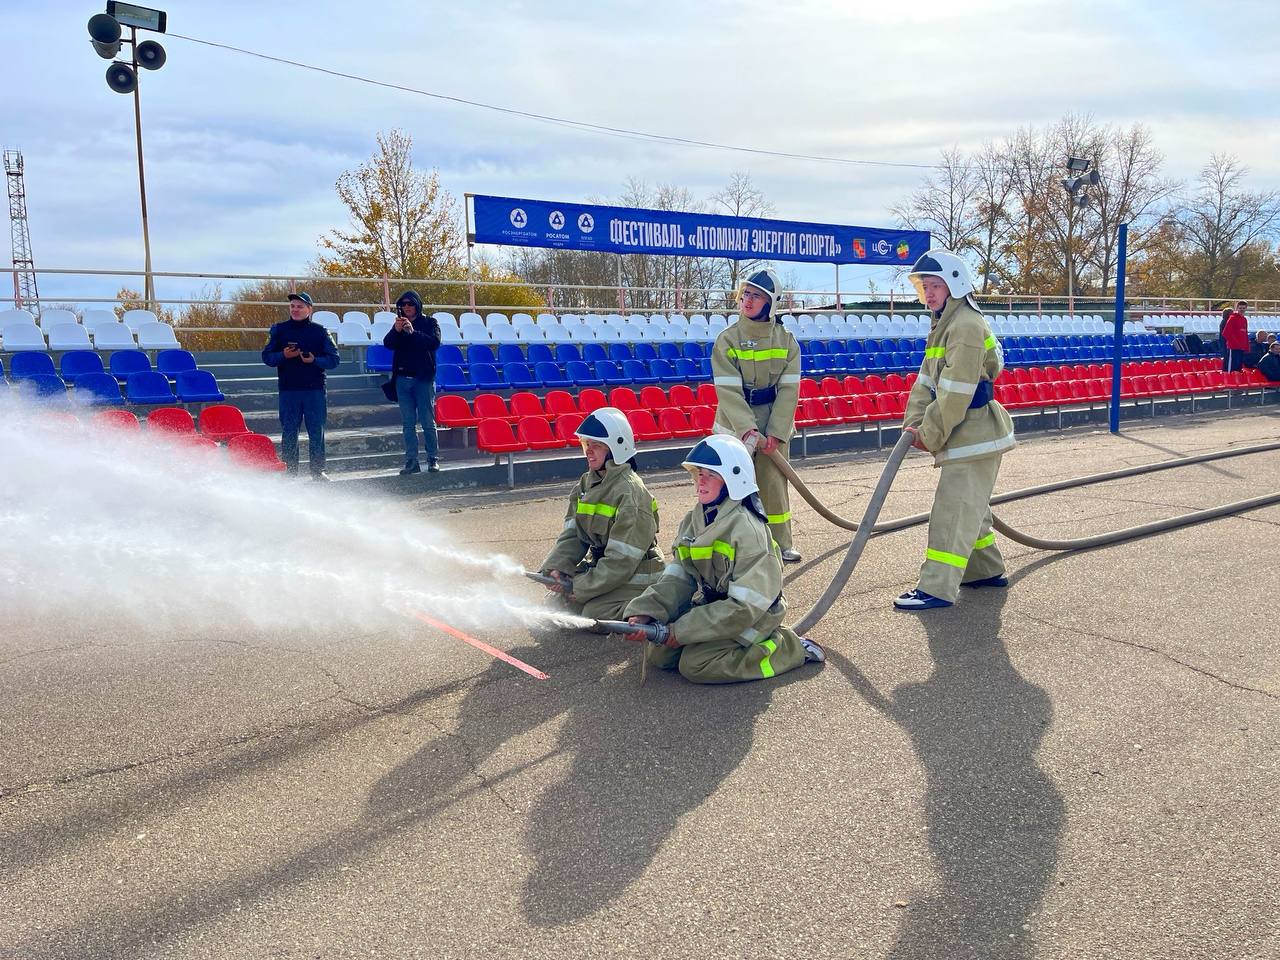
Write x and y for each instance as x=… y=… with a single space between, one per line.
x=653 y=632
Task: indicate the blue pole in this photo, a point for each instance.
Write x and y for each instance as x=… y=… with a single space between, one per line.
x=1117 y=353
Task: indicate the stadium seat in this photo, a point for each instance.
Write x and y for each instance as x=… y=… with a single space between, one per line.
x=688 y=371
x=485 y=377
x=356 y=316
x=535 y=433
x=566 y=427
x=449 y=377
x=550 y=375
x=664 y=371
x=518 y=376
x=133 y=319
x=567 y=352
x=116 y=420
x=581 y=374
x=490 y=406
x=620 y=353
x=31 y=365
x=148 y=387
x=68 y=336
x=44 y=388
x=113 y=336
x=540 y=353
x=654 y=398
x=172 y=421
x=450 y=353
x=454 y=411
x=221 y=422
x=636 y=371
x=609 y=372
x=125 y=362
x=510 y=353
x=496 y=436
x=526 y=404
x=480 y=353
x=157 y=336
x=95 y=389
x=21 y=335
x=590 y=400
x=378 y=359
x=353 y=334
x=674 y=422
x=77 y=362
x=171 y=362
x=254 y=451
x=197 y=386
x=624 y=399
x=682 y=396
x=645 y=427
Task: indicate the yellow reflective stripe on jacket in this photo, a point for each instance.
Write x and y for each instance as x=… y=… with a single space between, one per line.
x=654 y=504
x=779 y=517
x=597 y=509
x=950 y=559
x=989 y=343
x=986 y=541
x=704 y=553
x=932 y=352
x=766 y=668
x=773 y=353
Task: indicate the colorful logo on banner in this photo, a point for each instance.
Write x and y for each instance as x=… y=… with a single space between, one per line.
x=860 y=248
x=904 y=250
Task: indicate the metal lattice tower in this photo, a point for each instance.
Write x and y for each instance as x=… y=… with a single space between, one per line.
x=24 y=268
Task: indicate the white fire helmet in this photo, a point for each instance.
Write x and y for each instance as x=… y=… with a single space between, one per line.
x=767 y=282
x=728 y=457
x=610 y=426
x=945 y=265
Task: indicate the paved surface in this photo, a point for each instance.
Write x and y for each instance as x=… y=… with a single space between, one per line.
x=1083 y=766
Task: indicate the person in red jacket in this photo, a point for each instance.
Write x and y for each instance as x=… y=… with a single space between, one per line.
x=1235 y=337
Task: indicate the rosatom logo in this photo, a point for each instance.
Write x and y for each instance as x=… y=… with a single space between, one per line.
x=556 y=220
x=586 y=223
x=904 y=250
x=518 y=219
x=859 y=248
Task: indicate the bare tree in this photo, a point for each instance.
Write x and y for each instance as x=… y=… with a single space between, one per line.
x=1220 y=221
x=946 y=204
x=993 y=191
x=740 y=197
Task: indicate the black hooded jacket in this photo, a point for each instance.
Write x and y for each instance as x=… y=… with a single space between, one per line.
x=415 y=353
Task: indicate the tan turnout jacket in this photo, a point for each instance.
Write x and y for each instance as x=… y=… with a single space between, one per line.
x=756 y=354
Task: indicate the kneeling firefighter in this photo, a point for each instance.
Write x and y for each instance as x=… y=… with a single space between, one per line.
x=608 y=552
x=953 y=414
x=755 y=365
x=721 y=597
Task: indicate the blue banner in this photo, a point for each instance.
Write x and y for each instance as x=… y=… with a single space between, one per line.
x=584 y=226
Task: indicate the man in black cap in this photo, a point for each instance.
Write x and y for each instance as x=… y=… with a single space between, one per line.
x=415 y=339
x=301 y=351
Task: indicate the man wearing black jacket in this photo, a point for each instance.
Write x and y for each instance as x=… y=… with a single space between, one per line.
x=301 y=351
x=414 y=340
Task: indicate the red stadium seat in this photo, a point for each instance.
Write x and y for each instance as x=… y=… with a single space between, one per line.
x=567 y=425
x=645 y=427
x=535 y=433
x=832 y=387
x=254 y=451
x=894 y=383
x=624 y=398
x=707 y=396
x=874 y=383
x=702 y=417
x=454 y=411
x=863 y=407
x=222 y=422
x=496 y=436
x=116 y=420
x=853 y=386
x=809 y=388
x=525 y=404
x=682 y=396
x=591 y=399
x=490 y=406
x=654 y=399
x=559 y=403
x=673 y=420
x=171 y=420
x=910 y=379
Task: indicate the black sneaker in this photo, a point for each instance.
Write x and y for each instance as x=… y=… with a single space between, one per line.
x=999 y=580
x=433 y=465
x=791 y=556
x=320 y=477
x=410 y=468
x=813 y=652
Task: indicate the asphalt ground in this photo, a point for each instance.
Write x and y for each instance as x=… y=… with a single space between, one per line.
x=1082 y=766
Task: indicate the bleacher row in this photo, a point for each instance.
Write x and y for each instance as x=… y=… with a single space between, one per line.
x=525 y=421
x=175 y=378
x=218 y=425
x=1208 y=322
x=59 y=330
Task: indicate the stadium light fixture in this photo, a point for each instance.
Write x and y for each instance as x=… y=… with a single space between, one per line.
x=1077 y=164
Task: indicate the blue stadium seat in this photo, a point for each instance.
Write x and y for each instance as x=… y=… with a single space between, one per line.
x=594 y=352
x=856 y=346
x=147 y=386
x=665 y=371
x=898 y=360
x=518 y=376
x=449 y=379
x=168 y=362
x=694 y=351
x=480 y=353
x=669 y=351
x=125 y=362
x=704 y=368
x=450 y=353
x=197 y=386
x=540 y=353
x=76 y=362
x=378 y=358
x=688 y=370
x=620 y=353
x=566 y=352
x=31 y=364
x=637 y=371
x=41 y=387
x=97 y=389
x=485 y=376
x=609 y=372
x=646 y=352
x=580 y=372
x=550 y=375
x=510 y=353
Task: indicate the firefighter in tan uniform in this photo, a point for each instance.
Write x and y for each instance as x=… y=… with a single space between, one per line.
x=952 y=413
x=755 y=365
x=721 y=596
x=607 y=553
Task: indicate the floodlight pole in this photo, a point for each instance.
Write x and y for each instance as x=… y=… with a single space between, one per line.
x=1117 y=350
x=149 y=290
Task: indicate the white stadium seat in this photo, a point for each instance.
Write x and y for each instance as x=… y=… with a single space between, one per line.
x=51 y=318
x=384 y=316
x=133 y=319
x=20 y=334
x=353 y=333
x=474 y=331
x=157 y=336
x=113 y=336
x=449 y=333
x=69 y=336
x=327 y=319
x=380 y=328
x=92 y=318
x=357 y=316
x=15 y=316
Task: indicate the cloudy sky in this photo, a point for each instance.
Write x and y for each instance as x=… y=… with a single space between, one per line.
x=242 y=153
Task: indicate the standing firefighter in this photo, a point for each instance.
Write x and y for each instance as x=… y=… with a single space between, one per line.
x=756 y=367
x=608 y=552
x=953 y=415
x=721 y=597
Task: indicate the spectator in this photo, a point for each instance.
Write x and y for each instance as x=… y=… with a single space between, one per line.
x=1257 y=349
x=1269 y=365
x=301 y=351
x=415 y=340
x=1222 y=342
x=1235 y=335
